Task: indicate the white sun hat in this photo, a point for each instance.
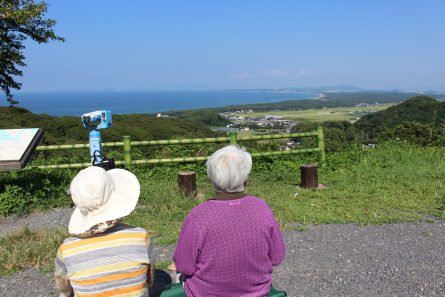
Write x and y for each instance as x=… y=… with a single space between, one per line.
x=102 y=196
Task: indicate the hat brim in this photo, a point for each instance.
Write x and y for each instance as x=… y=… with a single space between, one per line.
x=121 y=203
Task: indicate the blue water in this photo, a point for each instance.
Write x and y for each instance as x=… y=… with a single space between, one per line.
x=147 y=101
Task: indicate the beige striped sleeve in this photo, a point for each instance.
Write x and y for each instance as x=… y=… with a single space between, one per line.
x=61 y=276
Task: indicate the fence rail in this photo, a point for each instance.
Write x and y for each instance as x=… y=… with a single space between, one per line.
x=232 y=138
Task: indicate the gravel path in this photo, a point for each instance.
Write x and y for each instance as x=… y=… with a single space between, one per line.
x=406 y=259
x=55 y=218
x=347 y=260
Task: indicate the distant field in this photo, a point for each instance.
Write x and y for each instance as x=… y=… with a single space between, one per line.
x=324 y=114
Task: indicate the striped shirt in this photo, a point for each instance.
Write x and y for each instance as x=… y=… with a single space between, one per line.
x=114 y=263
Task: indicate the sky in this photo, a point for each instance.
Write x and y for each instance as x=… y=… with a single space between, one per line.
x=242 y=44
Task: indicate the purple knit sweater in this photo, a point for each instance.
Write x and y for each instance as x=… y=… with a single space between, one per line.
x=228 y=248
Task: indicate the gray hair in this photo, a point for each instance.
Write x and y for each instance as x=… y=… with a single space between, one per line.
x=228 y=168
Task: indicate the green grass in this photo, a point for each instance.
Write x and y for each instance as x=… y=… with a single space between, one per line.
x=162 y=264
x=389 y=185
x=396 y=182
x=29 y=249
x=393 y=183
x=162 y=207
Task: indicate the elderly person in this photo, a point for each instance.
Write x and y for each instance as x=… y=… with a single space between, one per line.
x=229 y=244
x=104 y=257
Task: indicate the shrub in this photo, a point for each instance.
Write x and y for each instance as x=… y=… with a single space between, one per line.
x=11 y=200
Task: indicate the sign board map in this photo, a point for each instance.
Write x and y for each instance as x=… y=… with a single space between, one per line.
x=17 y=145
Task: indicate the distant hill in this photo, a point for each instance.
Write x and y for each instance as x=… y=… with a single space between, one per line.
x=69 y=129
x=335 y=99
x=336 y=88
x=423 y=111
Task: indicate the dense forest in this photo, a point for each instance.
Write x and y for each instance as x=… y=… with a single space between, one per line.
x=69 y=129
x=203 y=116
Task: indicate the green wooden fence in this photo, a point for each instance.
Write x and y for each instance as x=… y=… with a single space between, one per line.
x=232 y=138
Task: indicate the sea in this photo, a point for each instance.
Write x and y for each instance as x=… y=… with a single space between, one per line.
x=120 y=102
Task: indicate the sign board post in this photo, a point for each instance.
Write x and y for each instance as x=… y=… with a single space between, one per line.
x=17 y=146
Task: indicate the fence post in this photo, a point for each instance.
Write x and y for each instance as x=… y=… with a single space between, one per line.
x=127 y=151
x=233 y=137
x=320 y=138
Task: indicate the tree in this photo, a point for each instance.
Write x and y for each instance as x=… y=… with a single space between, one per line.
x=412 y=132
x=20 y=20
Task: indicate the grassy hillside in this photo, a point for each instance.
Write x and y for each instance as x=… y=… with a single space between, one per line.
x=419 y=117
x=68 y=129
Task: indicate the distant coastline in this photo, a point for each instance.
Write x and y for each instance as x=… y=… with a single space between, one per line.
x=75 y=104
x=321 y=96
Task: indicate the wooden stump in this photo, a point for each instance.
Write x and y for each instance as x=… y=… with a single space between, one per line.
x=309 y=178
x=187 y=182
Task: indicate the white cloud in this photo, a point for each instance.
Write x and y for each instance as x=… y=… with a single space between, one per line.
x=274 y=72
x=242 y=75
x=302 y=73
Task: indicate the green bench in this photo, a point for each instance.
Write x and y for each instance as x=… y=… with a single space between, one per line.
x=176 y=290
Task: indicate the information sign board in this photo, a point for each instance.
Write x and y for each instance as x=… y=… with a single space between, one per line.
x=17 y=146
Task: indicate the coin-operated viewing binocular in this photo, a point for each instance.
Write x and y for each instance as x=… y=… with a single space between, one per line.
x=94 y=121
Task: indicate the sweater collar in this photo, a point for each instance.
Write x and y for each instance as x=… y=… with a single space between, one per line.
x=228 y=196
